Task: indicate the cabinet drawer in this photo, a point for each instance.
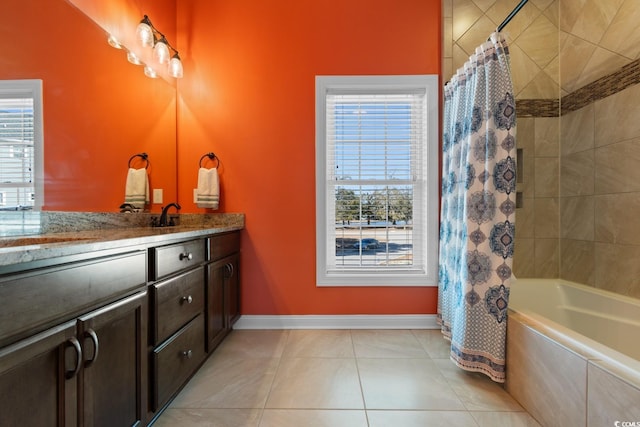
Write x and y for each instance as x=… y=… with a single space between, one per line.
x=222 y=245
x=176 y=360
x=175 y=302
x=166 y=260
x=40 y=298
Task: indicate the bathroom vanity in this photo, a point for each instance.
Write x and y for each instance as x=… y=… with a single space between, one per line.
x=104 y=327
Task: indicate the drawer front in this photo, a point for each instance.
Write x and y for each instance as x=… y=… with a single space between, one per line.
x=176 y=360
x=166 y=260
x=176 y=301
x=44 y=297
x=222 y=245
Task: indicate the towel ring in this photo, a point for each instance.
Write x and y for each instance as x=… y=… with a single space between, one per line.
x=210 y=156
x=144 y=156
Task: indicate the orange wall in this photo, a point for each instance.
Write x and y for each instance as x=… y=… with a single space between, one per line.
x=99 y=110
x=248 y=95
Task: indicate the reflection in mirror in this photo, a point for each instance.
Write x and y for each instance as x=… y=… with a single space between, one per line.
x=98 y=109
x=21 y=137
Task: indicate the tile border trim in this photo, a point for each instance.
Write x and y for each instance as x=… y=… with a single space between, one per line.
x=537 y=107
x=626 y=76
x=603 y=87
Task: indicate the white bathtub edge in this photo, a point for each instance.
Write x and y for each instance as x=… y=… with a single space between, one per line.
x=612 y=361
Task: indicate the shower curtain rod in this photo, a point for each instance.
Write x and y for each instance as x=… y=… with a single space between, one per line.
x=513 y=13
x=508 y=19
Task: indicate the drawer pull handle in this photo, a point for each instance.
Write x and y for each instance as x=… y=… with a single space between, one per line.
x=186 y=256
x=229 y=270
x=187 y=354
x=90 y=333
x=73 y=342
x=188 y=299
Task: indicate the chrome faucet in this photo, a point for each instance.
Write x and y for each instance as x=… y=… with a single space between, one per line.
x=163 y=217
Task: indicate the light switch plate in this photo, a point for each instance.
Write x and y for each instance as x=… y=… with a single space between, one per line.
x=157 y=196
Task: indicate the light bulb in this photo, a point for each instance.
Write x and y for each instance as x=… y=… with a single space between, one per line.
x=145 y=33
x=175 y=67
x=150 y=72
x=161 y=51
x=114 y=42
x=133 y=58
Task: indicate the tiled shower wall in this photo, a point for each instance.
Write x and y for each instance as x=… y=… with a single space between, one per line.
x=533 y=44
x=532 y=35
x=600 y=193
x=600 y=149
x=537 y=251
x=581 y=179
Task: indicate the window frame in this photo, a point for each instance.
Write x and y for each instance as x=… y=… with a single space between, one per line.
x=31 y=88
x=368 y=84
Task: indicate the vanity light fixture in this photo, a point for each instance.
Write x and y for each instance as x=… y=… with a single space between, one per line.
x=175 y=67
x=150 y=72
x=149 y=37
x=144 y=31
x=161 y=51
x=114 y=42
x=133 y=58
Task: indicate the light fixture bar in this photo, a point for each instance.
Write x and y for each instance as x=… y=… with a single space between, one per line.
x=149 y=36
x=148 y=32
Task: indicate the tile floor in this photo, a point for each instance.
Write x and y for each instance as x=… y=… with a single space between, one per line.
x=335 y=378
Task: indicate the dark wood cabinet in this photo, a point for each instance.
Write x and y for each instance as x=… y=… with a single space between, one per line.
x=44 y=297
x=216 y=317
x=111 y=386
x=74 y=341
x=169 y=259
x=38 y=380
x=85 y=372
x=109 y=337
x=232 y=289
x=223 y=287
x=177 y=359
x=175 y=302
x=177 y=333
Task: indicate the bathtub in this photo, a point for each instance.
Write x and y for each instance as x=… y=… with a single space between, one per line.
x=573 y=353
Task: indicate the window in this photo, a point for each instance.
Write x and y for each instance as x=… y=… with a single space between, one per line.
x=21 y=146
x=376 y=180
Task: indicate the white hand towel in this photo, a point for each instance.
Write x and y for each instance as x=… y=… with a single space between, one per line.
x=208 y=191
x=136 y=190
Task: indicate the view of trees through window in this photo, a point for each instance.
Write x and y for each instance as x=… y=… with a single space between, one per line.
x=374 y=150
x=374 y=226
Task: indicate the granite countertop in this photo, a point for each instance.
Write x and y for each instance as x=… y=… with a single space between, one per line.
x=64 y=234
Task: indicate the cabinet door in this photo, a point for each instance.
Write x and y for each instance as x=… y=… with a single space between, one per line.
x=113 y=341
x=38 y=379
x=216 y=318
x=232 y=289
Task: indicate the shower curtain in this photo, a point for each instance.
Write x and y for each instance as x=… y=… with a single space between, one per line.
x=477 y=222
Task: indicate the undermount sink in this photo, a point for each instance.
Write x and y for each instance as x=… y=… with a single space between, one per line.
x=44 y=240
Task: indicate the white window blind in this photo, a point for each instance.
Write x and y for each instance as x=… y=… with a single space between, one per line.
x=20 y=139
x=375 y=169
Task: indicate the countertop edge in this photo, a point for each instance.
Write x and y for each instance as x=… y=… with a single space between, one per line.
x=86 y=242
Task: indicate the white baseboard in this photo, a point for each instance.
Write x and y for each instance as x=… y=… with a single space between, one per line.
x=396 y=321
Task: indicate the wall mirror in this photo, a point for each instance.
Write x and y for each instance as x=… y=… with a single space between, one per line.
x=99 y=110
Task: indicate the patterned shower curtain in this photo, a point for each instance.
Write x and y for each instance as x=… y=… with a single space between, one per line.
x=477 y=222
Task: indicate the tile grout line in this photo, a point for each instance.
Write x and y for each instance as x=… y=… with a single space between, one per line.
x=275 y=374
x=355 y=357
